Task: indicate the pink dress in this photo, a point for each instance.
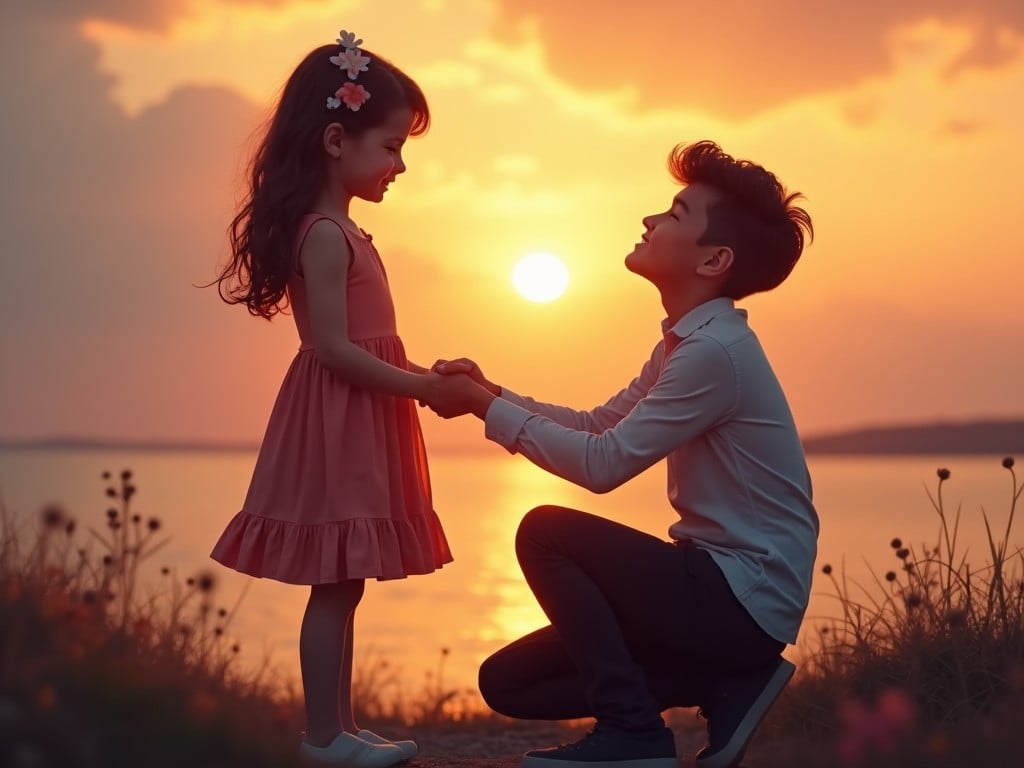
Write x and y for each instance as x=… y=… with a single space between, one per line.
x=341 y=488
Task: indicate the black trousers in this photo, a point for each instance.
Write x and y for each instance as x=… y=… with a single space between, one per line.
x=638 y=625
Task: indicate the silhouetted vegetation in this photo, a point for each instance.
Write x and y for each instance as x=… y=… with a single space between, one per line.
x=99 y=669
x=925 y=666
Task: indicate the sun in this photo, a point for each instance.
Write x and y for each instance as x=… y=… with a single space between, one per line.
x=540 y=276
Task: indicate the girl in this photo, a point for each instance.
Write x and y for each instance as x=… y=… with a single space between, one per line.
x=340 y=491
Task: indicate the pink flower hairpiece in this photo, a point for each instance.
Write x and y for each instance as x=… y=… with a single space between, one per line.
x=352 y=61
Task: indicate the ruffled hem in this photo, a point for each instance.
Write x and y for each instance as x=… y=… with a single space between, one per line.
x=326 y=553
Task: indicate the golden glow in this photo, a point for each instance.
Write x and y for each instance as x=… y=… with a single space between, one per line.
x=526 y=151
x=540 y=276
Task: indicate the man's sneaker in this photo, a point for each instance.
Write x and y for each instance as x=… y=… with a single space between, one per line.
x=735 y=711
x=606 y=747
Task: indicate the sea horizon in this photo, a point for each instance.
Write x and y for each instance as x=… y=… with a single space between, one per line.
x=977 y=436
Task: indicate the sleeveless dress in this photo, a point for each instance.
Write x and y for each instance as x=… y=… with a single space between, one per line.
x=340 y=489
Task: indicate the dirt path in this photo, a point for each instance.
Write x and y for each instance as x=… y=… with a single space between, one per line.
x=502 y=747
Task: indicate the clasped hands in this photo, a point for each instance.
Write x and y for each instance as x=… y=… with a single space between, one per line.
x=457 y=387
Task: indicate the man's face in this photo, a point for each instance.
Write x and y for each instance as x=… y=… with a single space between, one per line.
x=668 y=253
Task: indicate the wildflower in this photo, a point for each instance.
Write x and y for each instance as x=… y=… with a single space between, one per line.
x=108 y=560
x=913 y=601
x=1008 y=462
x=205 y=582
x=876 y=729
x=129 y=491
x=106 y=475
x=222 y=612
x=890 y=576
x=896 y=543
x=826 y=569
x=153 y=524
x=69 y=527
x=126 y=474
x=236 y=648
x=903 y=554
x=136 y=519
x=53 y=516
x=112 y=514
x=943 y=473
x=165 y=571
x=112 y=493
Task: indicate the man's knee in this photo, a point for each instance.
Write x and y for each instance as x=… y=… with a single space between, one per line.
x=492 y=680
x=541 y=525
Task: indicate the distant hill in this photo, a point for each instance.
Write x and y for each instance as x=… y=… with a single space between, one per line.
x=990 y=437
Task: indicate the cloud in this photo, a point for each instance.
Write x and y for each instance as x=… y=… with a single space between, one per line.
x=108 y=222
x=149 y=15
x=740 y=59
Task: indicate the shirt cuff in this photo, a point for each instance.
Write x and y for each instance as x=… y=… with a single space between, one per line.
x=504 y=421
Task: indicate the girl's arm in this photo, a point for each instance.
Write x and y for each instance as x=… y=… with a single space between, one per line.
x=416 y=368
x=325 y=256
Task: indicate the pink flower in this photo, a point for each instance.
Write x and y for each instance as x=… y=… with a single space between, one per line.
x=351 y=95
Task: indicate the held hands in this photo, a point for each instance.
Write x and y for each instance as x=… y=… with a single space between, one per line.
x=468 y=367
x=457 y=387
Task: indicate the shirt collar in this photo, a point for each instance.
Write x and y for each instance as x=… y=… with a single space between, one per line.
x=698 y=317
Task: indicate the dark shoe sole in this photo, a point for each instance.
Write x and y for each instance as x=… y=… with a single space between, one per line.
x=730 y=755
x=529 y=761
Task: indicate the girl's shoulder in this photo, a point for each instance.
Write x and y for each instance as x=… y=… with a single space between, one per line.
x=329 y=236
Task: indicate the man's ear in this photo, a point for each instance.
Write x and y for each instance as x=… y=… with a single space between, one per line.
x=717 y=263
x=334 y=137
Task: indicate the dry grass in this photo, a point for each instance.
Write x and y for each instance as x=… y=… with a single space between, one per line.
x=923 y=667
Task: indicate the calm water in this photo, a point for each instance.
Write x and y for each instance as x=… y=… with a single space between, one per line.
x=479 y=602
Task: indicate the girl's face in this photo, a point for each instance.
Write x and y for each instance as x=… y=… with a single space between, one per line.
x=371 y=161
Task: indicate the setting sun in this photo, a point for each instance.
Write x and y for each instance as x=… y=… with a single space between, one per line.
x=540 y=277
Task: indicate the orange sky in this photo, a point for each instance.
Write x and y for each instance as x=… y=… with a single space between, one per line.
x=126 y=128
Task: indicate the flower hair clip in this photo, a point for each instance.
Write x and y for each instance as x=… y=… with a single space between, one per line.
x=351 y=61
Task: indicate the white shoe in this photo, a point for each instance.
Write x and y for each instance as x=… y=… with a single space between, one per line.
x=348 y=751
x=409 y=748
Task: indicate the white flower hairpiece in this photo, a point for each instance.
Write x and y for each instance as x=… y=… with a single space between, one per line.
x=352 y=61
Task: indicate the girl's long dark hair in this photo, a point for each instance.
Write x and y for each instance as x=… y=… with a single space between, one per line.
x=288 y=170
